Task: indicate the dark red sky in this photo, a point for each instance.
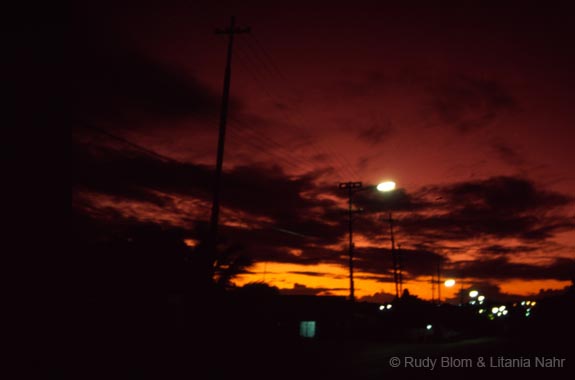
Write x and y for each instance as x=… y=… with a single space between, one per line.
x=468 y=106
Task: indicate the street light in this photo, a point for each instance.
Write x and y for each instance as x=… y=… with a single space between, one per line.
x=386 y=186
x=449 y=283
x=353 y=187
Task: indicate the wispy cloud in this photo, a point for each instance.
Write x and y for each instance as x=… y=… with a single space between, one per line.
x=468 y=104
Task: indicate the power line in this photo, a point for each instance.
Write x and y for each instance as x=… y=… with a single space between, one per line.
x=267 y=56
x=343 y=161
x=278 y=149
x=131 y=144
x=276 y=101
x=247 y=139
x=334 y=159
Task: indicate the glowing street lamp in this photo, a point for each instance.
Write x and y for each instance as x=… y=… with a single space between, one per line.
x=449 y=283
x=386 y=186
x=473 y=293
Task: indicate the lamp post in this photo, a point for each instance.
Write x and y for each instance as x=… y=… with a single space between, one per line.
x=352 y=188
x=394 y=257
x=388 y=186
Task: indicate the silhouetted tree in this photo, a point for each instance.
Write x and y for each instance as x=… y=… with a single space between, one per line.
x=222 y=266
x=259 y=289
x=230 y=262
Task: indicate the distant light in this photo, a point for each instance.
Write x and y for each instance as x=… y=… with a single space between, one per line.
x=386 y=186
x=533 y=303
x=495 y=310
x=522 y=303
x=528 y=303
x=502 y=307
x=481 y=311
x=472 y=302
x=429 y=327
x=473 y=293
x=481 y=298
x=527 y=314
x=191 y=242
x=381 y=307
x=449 y=283
x=499 y=314
x=505 y=312
x=388 y=306
x=528 y=309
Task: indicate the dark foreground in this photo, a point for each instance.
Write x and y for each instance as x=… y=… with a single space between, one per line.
x=241 y=340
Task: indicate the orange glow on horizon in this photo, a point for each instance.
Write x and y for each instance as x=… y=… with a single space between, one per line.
x=333 y=279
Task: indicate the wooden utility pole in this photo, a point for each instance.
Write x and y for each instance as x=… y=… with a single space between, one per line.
x=214 y=219
x=439 y=281
x=394 y=256
x=350 y=187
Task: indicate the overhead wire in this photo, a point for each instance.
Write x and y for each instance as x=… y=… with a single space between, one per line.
x=269 y=62
x=320 y=150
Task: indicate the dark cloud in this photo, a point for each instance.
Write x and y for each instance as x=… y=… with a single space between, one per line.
x=112 y=80
x=299 y=229
x=414 y=263
x=376 y=133
x=497 y=207
x=309 y=273
x=127 y=172
x=379 y=297
x=270 y=192
x=269 y=204
x=302 y=290
x=265 y=244
x=468 y=104
x=373 y=201
x=504 y=194
x=508 y=154
x=497 y=249
x=501 y=268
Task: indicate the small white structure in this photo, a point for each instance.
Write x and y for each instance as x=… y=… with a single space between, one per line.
x=307 y=329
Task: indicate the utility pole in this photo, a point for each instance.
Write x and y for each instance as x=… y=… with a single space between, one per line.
x=433 y=283
x=394 y=256
x=400 y=268
x=439 y=281
x=350 y=187
x=214 y=218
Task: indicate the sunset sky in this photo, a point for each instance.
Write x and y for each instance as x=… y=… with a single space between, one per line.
x=468 y=106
